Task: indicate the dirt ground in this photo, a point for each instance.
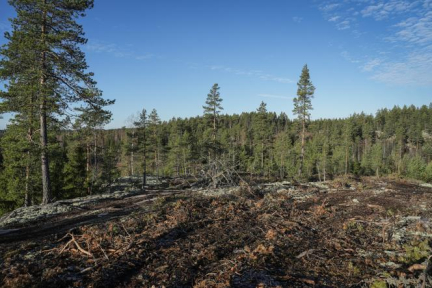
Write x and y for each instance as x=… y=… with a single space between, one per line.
x=346 y=233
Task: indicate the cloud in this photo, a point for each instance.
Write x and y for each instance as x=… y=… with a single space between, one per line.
x=297 y=19
x=371 y=65
x=332 y=13
x=415 y=70
x=125 y=51
x=252 y=73
x=415 y=30
x=402 y=53
x=145 y=56
x=384 y=10
x=343 y=25
x=274 y=96
x=110 y=48
x=329 y=7
x=347 y=56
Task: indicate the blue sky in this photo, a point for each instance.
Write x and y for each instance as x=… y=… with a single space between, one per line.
x=363 y=55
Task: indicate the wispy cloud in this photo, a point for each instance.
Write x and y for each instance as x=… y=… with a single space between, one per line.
x=328 y=7
x=125 y=51
x=334 y=18
x=274 y=96
x=415 y=70
x=297 y=19
x=383 y=10
x=252 y=73
x=415 y=30
x=145 y=56
x=403 y=53
x=371 y=64
x=347 y=56
x=343 y=25
x=109 y=48
x=332 y=13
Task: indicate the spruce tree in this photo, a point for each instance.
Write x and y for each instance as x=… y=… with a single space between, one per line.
x=75 y=176
x=43 y=54
x=302 y=107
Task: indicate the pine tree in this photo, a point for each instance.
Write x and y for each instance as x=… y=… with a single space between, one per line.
x=213 y=107
x=43 y=53
x=88 y=124
x=262 y=131
x=141 y=125
x=302 y=107
x=109 y=171
x=154 y=122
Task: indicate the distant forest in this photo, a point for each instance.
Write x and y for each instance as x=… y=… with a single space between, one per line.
x=396 y=141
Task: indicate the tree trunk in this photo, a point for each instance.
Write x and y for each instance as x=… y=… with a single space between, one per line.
x=132 y=154
x=281 y=167
x=144 y=164
x=184 y=162
x=46 y=183
x=300 y=171
x=214 y=124
x=27 y=182
x=156 y=164
x=346 y=160
x=27 y=197
x=324 y=168
x=88 y=167
x=95 y=157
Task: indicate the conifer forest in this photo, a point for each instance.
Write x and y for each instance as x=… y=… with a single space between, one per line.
x=254 y=199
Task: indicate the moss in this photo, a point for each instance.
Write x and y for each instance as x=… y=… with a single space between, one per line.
x=379 y=284
x=415 y=252
x=353 y=226
x=355 y=271
x=11 y=253
x=158 y=203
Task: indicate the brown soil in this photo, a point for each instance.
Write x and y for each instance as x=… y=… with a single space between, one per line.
x=373 y=233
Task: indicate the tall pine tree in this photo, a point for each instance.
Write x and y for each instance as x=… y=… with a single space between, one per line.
x=43 y=54
x=141 y=125
x=302 y=107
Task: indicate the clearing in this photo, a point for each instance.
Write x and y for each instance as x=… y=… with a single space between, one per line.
x=345 y=233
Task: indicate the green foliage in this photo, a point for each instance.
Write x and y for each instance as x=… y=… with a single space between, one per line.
x=428 y=173
x=305 y=92
x=415 y=167
x=213 y=102
x=75 y=176
x=46 y=76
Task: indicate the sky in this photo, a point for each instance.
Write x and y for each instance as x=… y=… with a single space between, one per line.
x=363 y=55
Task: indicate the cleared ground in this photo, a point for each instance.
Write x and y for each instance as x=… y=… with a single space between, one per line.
x=346 y=233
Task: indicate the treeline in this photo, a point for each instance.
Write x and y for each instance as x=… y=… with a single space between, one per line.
x=82 y=161
x=396 y=141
